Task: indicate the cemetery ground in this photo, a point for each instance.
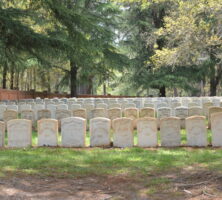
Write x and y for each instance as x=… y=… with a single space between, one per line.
x=111 y=173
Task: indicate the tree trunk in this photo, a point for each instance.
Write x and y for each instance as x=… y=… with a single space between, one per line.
x=17 y=80
x=4 y=78
x=104 y=88
x=163 y=91
x=213 y=87
x=12 y=78
x=73 y=79
x=175 y=92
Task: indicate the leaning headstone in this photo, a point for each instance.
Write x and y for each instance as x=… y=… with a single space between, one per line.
x=43 y=114
x=147 y=112
x=147 y=132
x=170 y=132
x=196 y=131
x=79 y=113
x=182 y=113
x=9 y=115
x=47 y=132
x=195 y=111
x=2 y=134
x=216 y=128
x=100 y=131
x=123 y=132
x=73 y=131
x=19 y=133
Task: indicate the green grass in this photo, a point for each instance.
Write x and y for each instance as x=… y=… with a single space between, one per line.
x=62 y=162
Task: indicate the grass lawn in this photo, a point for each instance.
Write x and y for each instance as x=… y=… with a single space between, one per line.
x=152 y=171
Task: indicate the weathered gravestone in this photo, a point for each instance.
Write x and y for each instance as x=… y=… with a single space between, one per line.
x=147 y=132
x=61 y=114
x=2 y=110
x=114 y=105
x=102 y=105
x=2 y=134
x=38 y=107
x=25 y=107
x=114 y=113
x=163 y=113
x=123 y=132
x=62 y=107
x=52 y=108
x=216 y=128
x=12 y=107
x=73 y=131
x=206 y=107
x=43 y=114
x=100 y=131
x=196 y=131
x=147 y=112
x=170 y=132
x=182 y=113
x=192 y=104
x=19 y=133
x=194 y=111
x=132 y=113
x=149 y=105
x=99 y=112
x=47 y=132
x=79 y=113
x=211 y=111
x=29 y=115
x=9 y=115
x=89 y=108
x=76 y=106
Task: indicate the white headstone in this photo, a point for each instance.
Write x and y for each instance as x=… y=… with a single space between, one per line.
x=216 y=128
x=100 y=131
x=147 y=132
x=2 y=134
x=73 y=131
x=19 y=133
x=47 y=132
x=123 y=132
x=170 y=132
x=196 y=131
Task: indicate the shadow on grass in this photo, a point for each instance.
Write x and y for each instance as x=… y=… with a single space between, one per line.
x=98 y=161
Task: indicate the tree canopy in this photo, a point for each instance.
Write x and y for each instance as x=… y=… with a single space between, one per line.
x=128 y=47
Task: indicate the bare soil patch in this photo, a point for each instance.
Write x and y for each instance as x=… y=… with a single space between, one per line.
x=191 y=183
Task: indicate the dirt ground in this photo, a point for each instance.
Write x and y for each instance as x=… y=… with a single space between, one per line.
x=186 y=184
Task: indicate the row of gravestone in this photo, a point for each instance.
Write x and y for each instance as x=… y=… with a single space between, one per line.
x=124 y=102
x=132 y=113
x=73 y=132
